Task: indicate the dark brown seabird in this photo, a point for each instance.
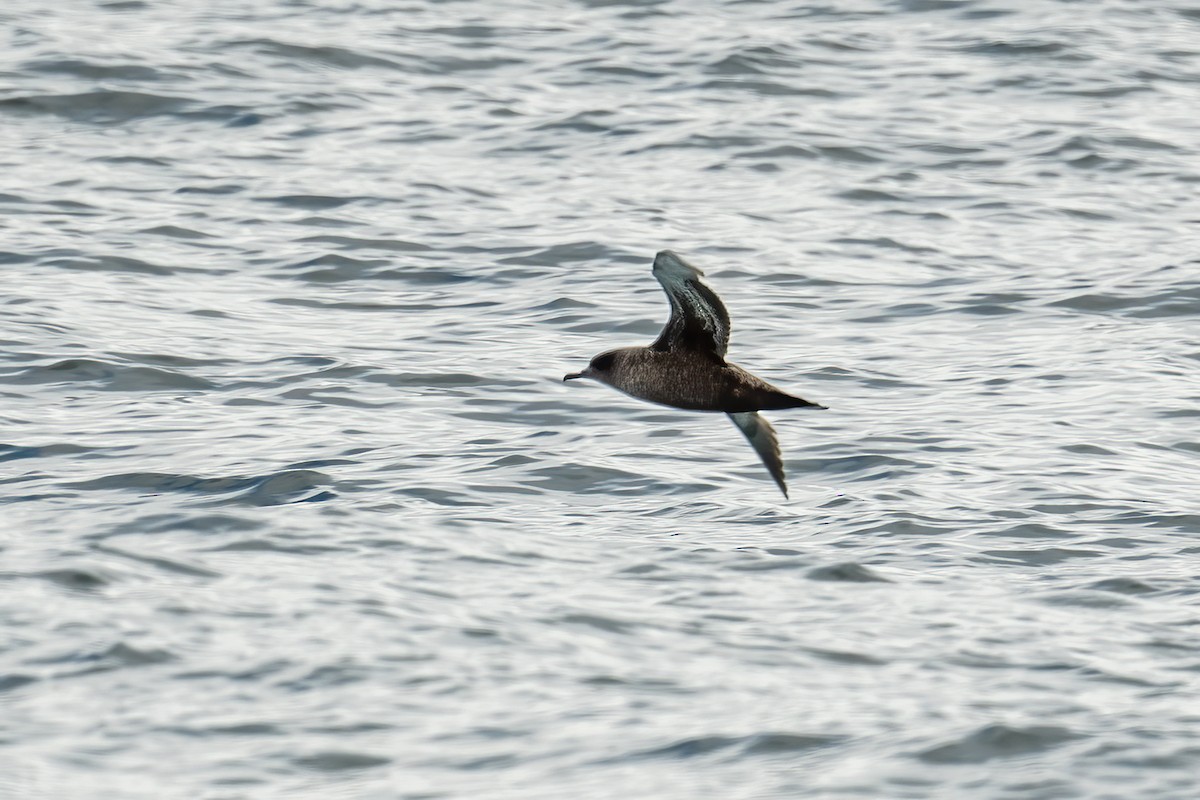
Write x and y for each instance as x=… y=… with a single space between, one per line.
x=685 y=367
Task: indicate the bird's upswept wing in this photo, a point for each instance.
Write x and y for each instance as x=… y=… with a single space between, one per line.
x=699 y=321
x=761 y=436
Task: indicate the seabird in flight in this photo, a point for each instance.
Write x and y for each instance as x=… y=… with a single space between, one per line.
x=685 y=367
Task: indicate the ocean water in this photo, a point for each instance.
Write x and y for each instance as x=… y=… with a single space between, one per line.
x=294 y=503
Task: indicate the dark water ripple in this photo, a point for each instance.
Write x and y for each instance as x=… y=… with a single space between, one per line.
x=295 y=503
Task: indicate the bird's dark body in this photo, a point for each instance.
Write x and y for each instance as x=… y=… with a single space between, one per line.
x=694 y=381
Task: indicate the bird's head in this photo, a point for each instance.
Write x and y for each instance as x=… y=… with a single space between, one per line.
x=600 y=369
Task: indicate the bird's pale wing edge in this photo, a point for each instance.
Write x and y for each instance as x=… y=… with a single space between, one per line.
x=762 y=438
x=699 y=320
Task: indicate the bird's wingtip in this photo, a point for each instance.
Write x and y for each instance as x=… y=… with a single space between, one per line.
x=671 y=262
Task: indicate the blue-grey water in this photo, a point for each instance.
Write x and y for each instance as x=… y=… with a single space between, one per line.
x=294 y=503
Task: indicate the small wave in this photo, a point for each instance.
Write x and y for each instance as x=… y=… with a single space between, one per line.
x=754 y=744
x=868 y=467
x=356 y=243
x=171 y=565
x=107 y=375
x=81 y=68
x=324 y=55
x=846 y=572
x=286 y=486
x=768 y=88
x=337 y=269
x=98 y=106
x=845 y=657
x=593 y=479
x=77 y=579
x=569 y=252
x=1083 y=598
x=340 y=761
x=12 y=452
x=13 y=681
x=1037 y=557
x=117 y=656
x=1123 y=585
x=176 y=232
x=1023 y=49
x=310 y=202
x=1177 y=301
x=998 y=741
x=108 y=263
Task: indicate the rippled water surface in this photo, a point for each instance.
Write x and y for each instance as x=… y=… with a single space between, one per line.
x=294 y=503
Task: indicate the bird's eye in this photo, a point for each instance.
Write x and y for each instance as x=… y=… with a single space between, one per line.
x=602 y=363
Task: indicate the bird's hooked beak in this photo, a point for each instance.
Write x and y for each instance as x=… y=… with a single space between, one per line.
x=587 y=373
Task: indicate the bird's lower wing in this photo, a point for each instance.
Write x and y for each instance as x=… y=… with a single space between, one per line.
x=761 y=436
